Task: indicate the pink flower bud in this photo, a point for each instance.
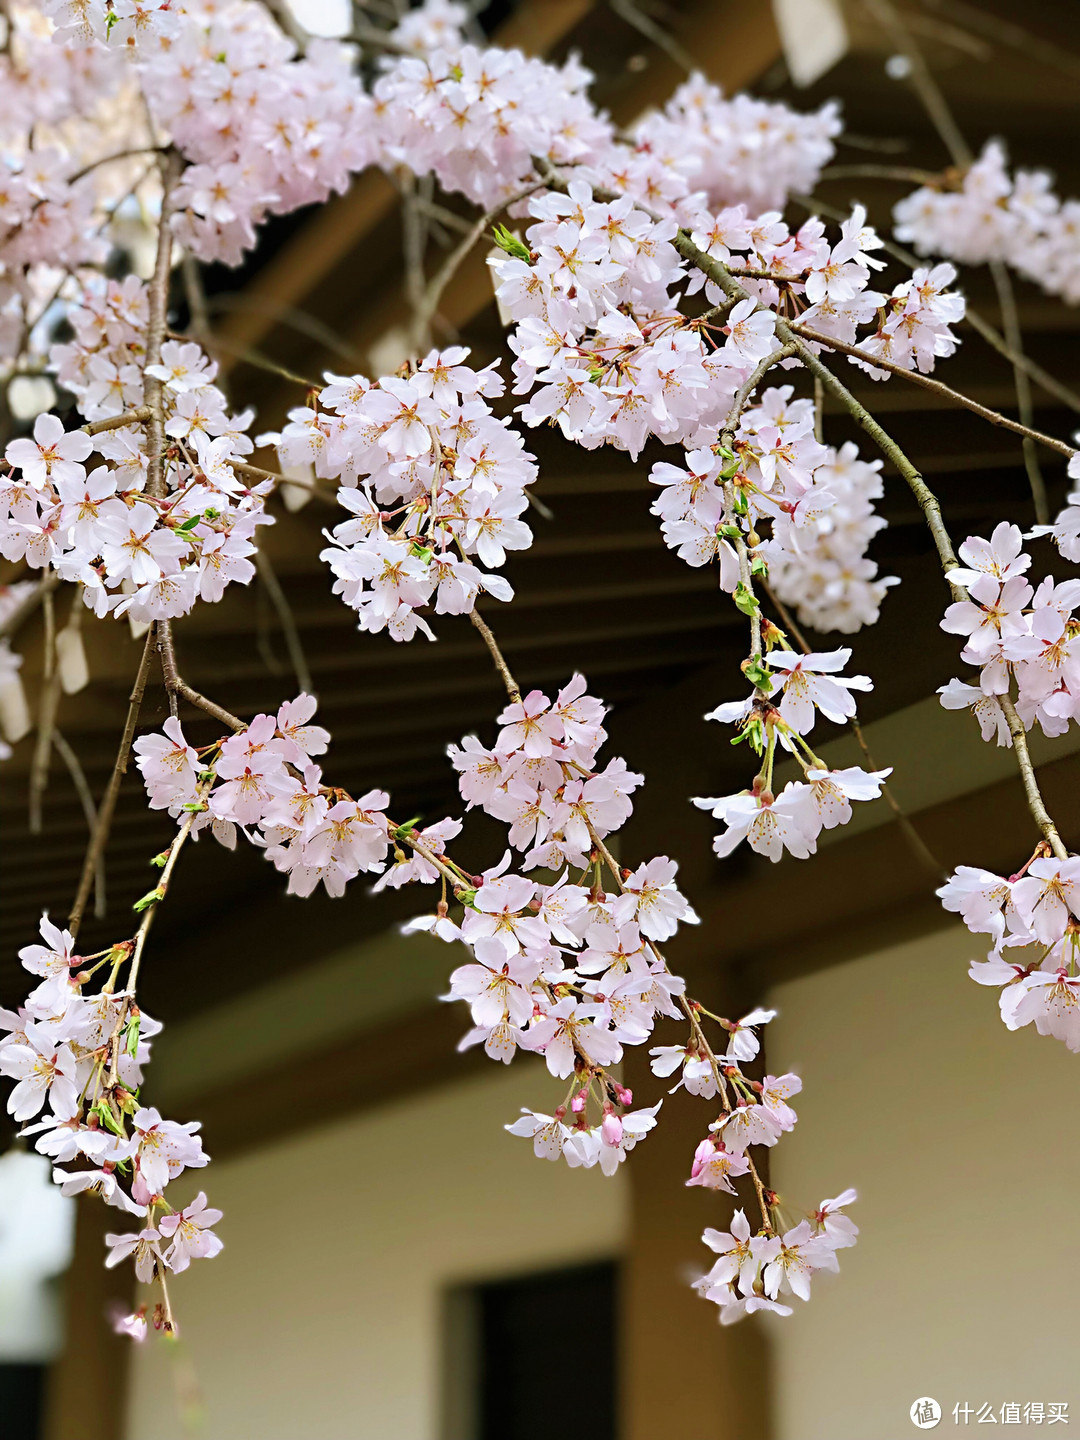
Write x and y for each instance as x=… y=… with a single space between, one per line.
x=611 y=1129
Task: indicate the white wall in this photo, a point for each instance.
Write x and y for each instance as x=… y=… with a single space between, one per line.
x=961 y=1139
x=321 y=1320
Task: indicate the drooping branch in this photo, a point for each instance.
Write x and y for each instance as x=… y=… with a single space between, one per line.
x=100 y=834
x=937 y=387
x=157 y=319
x=488 y=638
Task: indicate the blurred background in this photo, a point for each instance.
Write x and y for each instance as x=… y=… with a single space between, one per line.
x=395 y=1264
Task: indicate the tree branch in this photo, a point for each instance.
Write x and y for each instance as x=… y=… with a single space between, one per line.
x=936 y=387
x=100 y=835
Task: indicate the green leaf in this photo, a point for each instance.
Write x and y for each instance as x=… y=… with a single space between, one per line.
x=131 y=1038
x=746 y=600
x=108 y=1119
x=508 y=241
x=150 y=898
x=403 y=831
x=757 y=674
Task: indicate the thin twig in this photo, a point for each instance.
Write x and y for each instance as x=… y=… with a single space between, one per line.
x=98 y=840
x=937 y=107
x=108 y=160
x=1013 y=38
x=28 y=604
x=814 y=205
x=426 y=306
x=1036 y=804
x=922 y=851
x=48 y=702
x=1010 y=320
x=508 y=680
x=927 y=500
x=936 y=387
x=413 y=244
x=654 y=31
x=1050 y=383
x=922 y=82
x=285 y=615
x=179 y=689
x=157 y=307
x=908 y=174
x=86 y=799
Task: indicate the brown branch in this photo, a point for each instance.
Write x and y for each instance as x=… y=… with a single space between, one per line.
x=28 y=604
x=660 y=35
x=108 y=160
x=179 y=689
x=813 y=205
x=918 y=845
x=1010 y=320
x=426 y=304
x=936 y=387
x=158 y=302
x=922 y=82
x=508 y=680
x=908 y=174
x=86 y=800
x=48 y=701
x=289 y=629
x=117 y=422
x=99 y=838
x=1036 y=804
x=927 y=500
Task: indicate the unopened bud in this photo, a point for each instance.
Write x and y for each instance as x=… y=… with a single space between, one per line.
x=611 y=1129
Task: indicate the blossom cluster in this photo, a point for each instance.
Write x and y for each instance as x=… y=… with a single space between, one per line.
x=477 y=118
x=262 y=782
x=816 y=500
x=1032 y=919
x=574 y=971
x=1065 y=531
x=263 y=129
x=992 y=215
x=603 y=350
x=1016 y=634
x=781 y=711
x=79 y=1057
x=737 y=150
x=77 y=107
x=434 y=481
x=133 y=552
x=563 y=968
x=753 y=1269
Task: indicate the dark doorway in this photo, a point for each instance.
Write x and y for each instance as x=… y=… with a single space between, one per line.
x=22 y=1390
x=540 y=1339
